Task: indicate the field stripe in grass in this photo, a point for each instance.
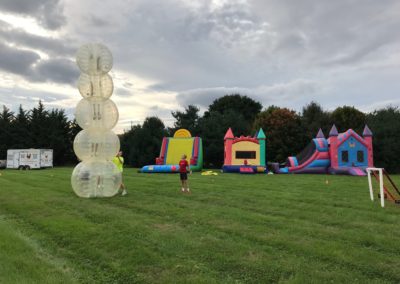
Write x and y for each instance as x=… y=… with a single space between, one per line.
x=229 y=232
x=22 y=258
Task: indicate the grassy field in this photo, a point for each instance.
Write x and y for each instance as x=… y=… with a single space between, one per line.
x=232 y=229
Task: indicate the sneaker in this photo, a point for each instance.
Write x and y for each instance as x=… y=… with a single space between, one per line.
x=124 y=193
x=183 y=190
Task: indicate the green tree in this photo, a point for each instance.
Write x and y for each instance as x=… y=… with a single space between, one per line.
x=213 y=129
x=284 y=132
x=313 y=118
x=385 y=126
x=141 y=144
x=235 y=111
x=247 y=107
x=346 y=117
x=188 y=119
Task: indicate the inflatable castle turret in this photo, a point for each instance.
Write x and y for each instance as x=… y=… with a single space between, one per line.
x=367 y=134
x=333 y=135
x=244 y=154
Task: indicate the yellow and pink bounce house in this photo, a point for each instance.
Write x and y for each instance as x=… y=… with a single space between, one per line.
x=245 y=155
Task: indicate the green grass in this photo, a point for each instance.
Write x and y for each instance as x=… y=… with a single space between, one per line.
x=232 y=229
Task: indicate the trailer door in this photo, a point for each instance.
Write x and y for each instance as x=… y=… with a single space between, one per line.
x=46 y=158
x=16 y=160
x=12 y=159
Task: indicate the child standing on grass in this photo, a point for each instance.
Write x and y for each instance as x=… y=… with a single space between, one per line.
x=183 y=170
x=119 y=162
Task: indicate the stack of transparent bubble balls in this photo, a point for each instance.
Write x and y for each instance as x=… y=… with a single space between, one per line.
x=96 y=145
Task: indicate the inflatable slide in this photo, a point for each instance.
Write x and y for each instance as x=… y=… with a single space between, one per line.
x=172 y=149
x=313 y=159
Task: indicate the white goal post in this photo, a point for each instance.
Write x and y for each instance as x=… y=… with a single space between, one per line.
x=371 y=192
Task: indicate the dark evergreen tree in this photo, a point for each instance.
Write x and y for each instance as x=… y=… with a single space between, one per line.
x=6 y=135
x=21 y=130
x=58 y=136
x=38 y=126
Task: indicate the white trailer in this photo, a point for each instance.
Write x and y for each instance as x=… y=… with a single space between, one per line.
x=26 y=159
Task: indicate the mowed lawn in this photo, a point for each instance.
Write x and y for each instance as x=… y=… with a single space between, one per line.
x=231 y=229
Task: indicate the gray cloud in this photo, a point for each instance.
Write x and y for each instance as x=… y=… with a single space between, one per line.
x=98 y=21
x=290 y=91
x=29 y=65
x=123 y=92
x=341 y=32
x=49 y=13
x=252 y=44
x=17 y=61
x=57 y=70
x=160 y=112
x=51 y=46
x=29 y=98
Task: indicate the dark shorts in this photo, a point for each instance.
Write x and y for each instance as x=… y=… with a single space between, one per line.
x=183 y=176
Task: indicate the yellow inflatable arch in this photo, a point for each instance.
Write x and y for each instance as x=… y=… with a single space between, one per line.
x=182 y=133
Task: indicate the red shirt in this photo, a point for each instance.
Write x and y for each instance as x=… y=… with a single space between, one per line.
x=183 y=164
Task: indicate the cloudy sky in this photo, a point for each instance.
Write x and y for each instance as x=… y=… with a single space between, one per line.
x=171 y=53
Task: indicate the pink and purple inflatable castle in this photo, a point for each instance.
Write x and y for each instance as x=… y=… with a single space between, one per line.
x=342 y=153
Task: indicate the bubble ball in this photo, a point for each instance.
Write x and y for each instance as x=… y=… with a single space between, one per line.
x=95 y=86
x=96 y=113
x=92 y=144
x=94 y=59
x=96 y=179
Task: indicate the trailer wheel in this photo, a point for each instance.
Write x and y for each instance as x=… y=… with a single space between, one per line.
x=27 y=168
x=21 y=168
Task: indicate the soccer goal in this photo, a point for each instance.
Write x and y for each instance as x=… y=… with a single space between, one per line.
x=387 y=188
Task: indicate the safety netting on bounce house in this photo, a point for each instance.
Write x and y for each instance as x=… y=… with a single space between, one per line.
x=172 y=149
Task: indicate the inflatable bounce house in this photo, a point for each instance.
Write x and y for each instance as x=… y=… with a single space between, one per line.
x=173 y=148
x=244 y=155
x=342 y=153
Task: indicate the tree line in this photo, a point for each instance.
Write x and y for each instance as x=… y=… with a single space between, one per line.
x=38 y=128
x=287 y=131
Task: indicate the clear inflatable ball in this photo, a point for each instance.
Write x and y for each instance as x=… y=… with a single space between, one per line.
x=96 y=179
x=94 y=59
x=96 y=113
x=95 y=86
x=92 y=144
